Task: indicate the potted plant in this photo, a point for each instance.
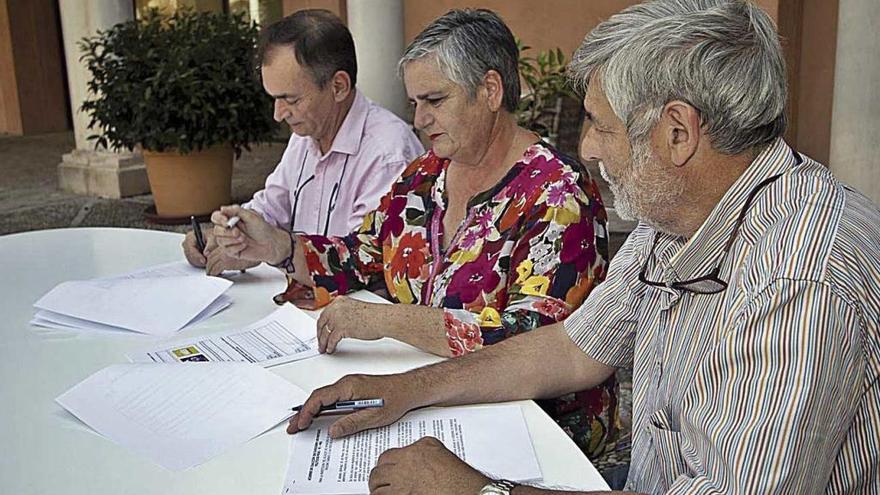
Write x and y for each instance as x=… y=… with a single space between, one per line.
x=180 y=88
x=545 y=90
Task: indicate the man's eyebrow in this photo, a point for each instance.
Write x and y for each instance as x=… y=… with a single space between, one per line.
x=282 y=96
x=430 y=94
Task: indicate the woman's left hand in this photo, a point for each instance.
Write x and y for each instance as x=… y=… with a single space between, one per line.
x=349 y=318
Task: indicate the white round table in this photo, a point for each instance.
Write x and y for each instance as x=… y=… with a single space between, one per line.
x=47 y=450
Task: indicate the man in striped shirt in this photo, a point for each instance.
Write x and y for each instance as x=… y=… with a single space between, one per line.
x=747 y=302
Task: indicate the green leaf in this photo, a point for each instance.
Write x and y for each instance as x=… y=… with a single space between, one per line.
x=545 y=82
x=176 y=82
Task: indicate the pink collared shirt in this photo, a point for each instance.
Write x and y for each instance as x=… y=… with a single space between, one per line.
x=336 y=189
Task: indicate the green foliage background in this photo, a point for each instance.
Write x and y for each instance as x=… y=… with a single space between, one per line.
x=180 y=83
x=545 y=82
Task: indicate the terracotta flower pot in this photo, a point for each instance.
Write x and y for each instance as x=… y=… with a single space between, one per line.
x=193 y=184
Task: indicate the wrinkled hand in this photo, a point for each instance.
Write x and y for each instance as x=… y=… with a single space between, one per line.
x=398 y=391
x=349 y=318
x=191 y=251
x=425 y=467
x=252 y=238
x=218 y=261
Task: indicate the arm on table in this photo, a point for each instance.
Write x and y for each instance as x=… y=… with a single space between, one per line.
x=534 y=365
x=427 y=466
x=418 y=326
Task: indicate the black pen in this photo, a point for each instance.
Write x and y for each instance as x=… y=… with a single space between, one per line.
x=347 y=406
x=197 y=230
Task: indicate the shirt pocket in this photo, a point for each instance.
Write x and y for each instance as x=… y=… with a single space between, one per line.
x=667 y=446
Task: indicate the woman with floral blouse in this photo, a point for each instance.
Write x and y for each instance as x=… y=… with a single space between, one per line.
x=491 y=233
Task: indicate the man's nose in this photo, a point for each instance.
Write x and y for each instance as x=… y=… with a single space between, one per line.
x=588 y=149
x=280 y=111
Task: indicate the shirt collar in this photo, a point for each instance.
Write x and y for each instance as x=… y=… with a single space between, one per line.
x=699 y=255
x=351 y=132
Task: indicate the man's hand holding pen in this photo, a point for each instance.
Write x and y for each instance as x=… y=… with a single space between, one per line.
x=397 y=400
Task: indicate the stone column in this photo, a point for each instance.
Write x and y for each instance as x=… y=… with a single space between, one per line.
x=855 y=128
x=85 y=170
x=377 y=28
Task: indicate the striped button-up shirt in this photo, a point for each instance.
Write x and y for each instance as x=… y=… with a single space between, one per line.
x=770 y=386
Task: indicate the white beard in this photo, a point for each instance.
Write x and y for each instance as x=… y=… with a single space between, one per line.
x=643 y=193
x=623 y=203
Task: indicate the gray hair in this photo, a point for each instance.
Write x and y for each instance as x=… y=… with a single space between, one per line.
x=467 y=44
x=721 y=56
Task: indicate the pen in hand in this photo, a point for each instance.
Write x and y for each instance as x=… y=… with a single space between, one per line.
x=346 y=406
x=197 y=231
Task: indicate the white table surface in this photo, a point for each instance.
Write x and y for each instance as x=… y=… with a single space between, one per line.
x=45 y=450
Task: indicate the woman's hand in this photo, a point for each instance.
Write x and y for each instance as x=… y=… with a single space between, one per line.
x=252 y=238
x=418 y=326
x=349 y=318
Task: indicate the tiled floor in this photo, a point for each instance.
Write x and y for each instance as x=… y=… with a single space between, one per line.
x=30 y=199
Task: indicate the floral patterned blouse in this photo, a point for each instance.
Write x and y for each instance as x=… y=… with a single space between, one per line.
x=527 y=254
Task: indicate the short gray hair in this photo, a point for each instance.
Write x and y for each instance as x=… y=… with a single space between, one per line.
x=721 y=56
x=468 y=43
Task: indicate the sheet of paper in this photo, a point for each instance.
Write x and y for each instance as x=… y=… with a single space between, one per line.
x=173 y=269
x=50 y=319
x=493 y=439
x=288 y=334
x=181 y=415
x=157 y=301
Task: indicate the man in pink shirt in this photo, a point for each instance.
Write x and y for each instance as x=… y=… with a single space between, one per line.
x=344 y=151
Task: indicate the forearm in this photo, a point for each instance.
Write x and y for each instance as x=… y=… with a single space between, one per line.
x=419 y=326
x=543 y=363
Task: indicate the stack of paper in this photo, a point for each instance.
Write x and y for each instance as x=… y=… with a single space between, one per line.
x=288 y=334
x=159 y=300
x=181 y=415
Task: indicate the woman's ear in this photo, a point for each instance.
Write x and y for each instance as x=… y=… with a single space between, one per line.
x=494 y=88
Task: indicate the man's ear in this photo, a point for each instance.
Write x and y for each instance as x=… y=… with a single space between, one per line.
x=680 y=124
x=493 y=86
x=340 y=83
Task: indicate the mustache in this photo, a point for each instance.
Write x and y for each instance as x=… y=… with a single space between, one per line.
x=606 y=175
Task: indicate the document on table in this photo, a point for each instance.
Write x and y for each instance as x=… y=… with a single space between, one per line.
x=182 y=415
x=288 y=334
x=49 y=319
x=493 y=439
x=158 y=300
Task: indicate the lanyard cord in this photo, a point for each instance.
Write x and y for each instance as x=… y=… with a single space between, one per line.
x=299 y=186
x=334 y=194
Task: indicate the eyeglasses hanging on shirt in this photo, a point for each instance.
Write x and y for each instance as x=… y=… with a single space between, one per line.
x=331 y=202
x=711 y=283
